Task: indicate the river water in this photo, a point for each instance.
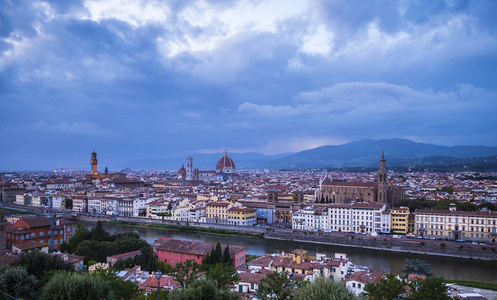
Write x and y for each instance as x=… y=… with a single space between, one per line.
x=384 y=260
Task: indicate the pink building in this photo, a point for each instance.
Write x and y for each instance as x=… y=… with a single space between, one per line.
x=172 y=251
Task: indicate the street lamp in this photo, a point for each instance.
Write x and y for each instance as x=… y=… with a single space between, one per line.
x=159 y=275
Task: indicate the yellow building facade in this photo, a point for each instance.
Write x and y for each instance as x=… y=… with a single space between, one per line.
x=242 y=216
x=400 y=220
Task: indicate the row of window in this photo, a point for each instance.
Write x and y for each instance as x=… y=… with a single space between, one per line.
x=442 y=219
x=27 y=235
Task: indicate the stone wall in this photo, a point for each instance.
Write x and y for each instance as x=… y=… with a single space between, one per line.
x=432 y=247
x=145 y=221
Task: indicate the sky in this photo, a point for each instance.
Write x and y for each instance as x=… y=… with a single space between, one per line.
x=135 y=79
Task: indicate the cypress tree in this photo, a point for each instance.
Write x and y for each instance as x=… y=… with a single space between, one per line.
x=219 y=254
x=213 y=257
x=226 y=255
x=98 y=232
x=207 y=259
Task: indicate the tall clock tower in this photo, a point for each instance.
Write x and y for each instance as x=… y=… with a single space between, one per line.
x=93 y=162
x=382 y=180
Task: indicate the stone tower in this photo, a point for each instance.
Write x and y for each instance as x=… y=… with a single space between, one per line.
x=189 y=168
x=382 y=180
x=93 y=162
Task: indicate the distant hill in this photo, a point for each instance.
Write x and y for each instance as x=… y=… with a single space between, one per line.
x=366 y=153
x=363 y=153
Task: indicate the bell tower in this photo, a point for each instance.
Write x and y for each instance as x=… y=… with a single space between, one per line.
x=189 y=168
x=382 y=180
x=93 y=162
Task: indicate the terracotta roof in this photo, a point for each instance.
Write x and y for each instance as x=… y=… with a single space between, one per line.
x=34 y=222
x=127 y=254
x=366 y=277
x=30 y=245
x=226 y=204
x=251 y=277
x=263 y=261
x=225 y=162
x=191 y=247
x=165 y=282
x=7 y=259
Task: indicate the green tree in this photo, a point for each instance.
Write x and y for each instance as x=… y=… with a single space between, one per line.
x=81 y=233
x=93 y=250
x=121 y=290
x=217 y=255
x=186 y=272
x=124 y=264
x=324 y=289
x=278 y=286
x=98 y=233
x=417 y=266
x=37 y=263
x=131 y=244
x=17 y=282
x=146 y=258
x=76 y=286
x=164 y=268
x=207 y=259
x=448 y=189
x=226 y=255
x=432 y=288
x=225 y=276
x=122 y=236
x=204 y=289
x=386 y=288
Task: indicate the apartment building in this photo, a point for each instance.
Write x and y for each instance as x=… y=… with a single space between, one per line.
x=37 y=230
x=310 y=219
x=457 y=225
x=172 y=251
x=217 y=212
x=242 y=216
x=357 y=217
x=400 y=220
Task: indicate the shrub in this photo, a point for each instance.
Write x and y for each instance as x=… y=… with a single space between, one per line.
x=422 y=243
x=442 y=245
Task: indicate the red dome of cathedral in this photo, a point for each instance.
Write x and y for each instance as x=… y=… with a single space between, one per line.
x=225 y=163
x=181 y=171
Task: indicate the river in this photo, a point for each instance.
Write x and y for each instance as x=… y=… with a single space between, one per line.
x=384 y=260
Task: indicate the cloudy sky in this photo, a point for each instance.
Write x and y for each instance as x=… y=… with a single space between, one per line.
x=148 y=79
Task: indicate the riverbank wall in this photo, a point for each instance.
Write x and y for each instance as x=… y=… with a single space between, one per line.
x=145 y=222
x=384 y=243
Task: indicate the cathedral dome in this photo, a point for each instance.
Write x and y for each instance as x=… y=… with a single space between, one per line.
x=225 y=163
x=181 y=171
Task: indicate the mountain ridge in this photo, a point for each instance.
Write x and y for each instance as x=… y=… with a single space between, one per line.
x=361 y=153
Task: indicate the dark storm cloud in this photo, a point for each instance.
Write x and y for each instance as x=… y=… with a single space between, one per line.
x=152 y=79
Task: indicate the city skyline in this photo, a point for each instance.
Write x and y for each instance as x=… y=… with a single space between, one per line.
x=177 y=77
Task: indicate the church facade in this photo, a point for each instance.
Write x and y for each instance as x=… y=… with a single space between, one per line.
x=374 y=192
x=225 y=171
